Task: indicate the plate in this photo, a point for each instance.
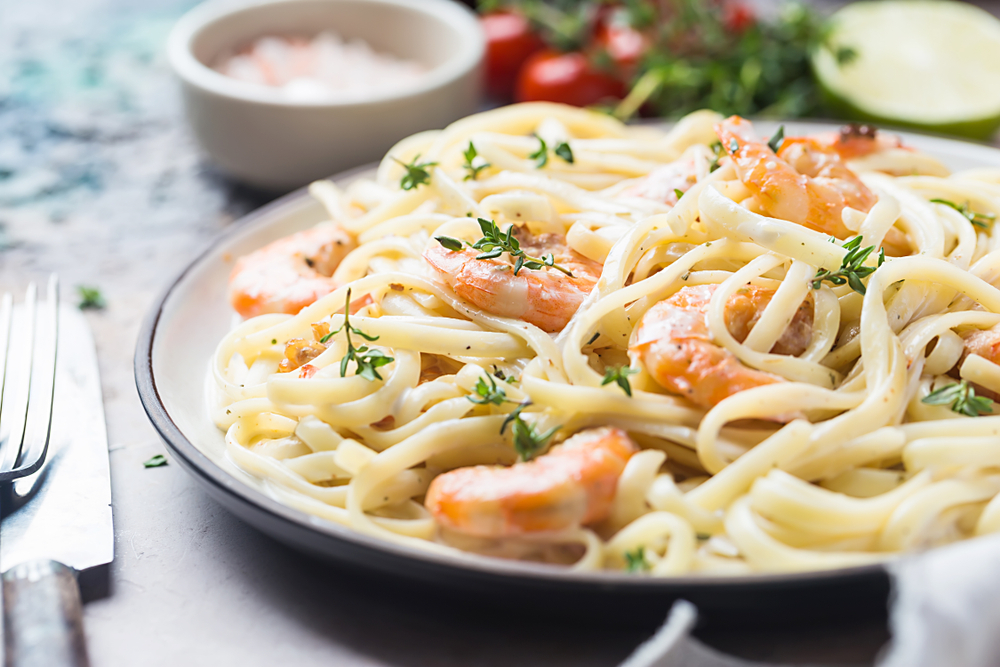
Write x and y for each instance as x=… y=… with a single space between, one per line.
x=171 y=362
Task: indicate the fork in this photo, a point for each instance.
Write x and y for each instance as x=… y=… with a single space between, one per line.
x=27 y=386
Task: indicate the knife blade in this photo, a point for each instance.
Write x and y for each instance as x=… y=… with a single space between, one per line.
x=62 y=513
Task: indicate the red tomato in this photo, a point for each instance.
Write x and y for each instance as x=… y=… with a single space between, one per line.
x=509 y=42
x=549 y=76
x=623 y=43
x=737 y=17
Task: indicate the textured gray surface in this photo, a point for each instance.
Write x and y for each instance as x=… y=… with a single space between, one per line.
x=99 y=180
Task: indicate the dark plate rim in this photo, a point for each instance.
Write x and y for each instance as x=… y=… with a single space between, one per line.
x=207 y=471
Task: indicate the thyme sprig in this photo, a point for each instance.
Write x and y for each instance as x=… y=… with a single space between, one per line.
x=981 y=220
x=635 y=560
x=368 y=360
x=619 y=375
x=852 y=268
x=961 y=398
x=488 y=393
x=417 y=173
x=473 y=163
x=495 y=243
x=528 y=441
x=541 y=156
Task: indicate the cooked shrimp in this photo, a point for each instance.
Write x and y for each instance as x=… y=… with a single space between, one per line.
x=545 y=297
x=289 y=274
x=851 y=142
x=674 y=343
x=806 y=183
x=663 y=183
x=572 y=485
x=984 y=342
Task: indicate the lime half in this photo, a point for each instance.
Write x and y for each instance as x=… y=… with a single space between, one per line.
x=928 y=64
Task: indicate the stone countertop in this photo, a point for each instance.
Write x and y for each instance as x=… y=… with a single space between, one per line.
x=100 y=181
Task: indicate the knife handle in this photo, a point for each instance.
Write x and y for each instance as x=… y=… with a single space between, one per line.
x=43 y=624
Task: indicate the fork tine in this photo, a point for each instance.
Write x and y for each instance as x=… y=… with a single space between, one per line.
x=17 y=410
x=6 y=316
x=39 y=422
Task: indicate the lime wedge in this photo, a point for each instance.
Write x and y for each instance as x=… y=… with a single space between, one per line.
x=929 y=64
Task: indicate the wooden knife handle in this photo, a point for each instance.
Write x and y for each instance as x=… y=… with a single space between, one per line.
x=43 y=624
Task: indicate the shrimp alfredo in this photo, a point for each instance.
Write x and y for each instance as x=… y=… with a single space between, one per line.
x=542 y=335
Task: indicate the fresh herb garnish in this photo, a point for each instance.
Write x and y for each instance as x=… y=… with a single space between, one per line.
x=678 y=193
x=619 y=375
x=564 y=152
x=717 y=150
x=368 y=360
x=635 y=560
x=488 y=393
x=541 y=156
x=852 y=268
x=528 y=442
x=733 y=145
x=982 y=220
x=450 y=243
x=416 y=173
x=90 y=297
x=961 y=397
x=473 y=163
x=155 y=462
x=774 y=143
x=495 y=243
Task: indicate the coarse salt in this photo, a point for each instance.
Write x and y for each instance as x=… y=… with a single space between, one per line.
x=324 y=67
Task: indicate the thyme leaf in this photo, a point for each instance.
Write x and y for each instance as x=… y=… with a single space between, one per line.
x=473 y=163
x=635 y=560
x=488 y=393
x=157 y=461
x=774 y=143
x=90 y=297
x=961 y=398
x=540 y=156
x=619 y=375
x=562 y=150
x=417 y=173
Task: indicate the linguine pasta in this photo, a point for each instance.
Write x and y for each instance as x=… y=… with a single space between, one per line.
x=842 y=463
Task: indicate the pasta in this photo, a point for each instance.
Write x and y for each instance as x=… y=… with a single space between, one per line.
x=842 y=306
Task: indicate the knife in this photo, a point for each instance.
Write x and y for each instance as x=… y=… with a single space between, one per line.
x=57 y=522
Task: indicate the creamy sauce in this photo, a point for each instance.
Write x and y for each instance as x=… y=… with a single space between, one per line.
x=324 y=67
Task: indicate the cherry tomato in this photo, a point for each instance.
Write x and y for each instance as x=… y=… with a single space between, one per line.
x=623 y=43
x=737 y=17
x=549 y=76
x=509 y=42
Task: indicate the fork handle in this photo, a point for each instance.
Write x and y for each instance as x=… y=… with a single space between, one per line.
x=43 y=624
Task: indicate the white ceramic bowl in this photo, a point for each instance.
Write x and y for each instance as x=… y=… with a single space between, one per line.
x=256 y=135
